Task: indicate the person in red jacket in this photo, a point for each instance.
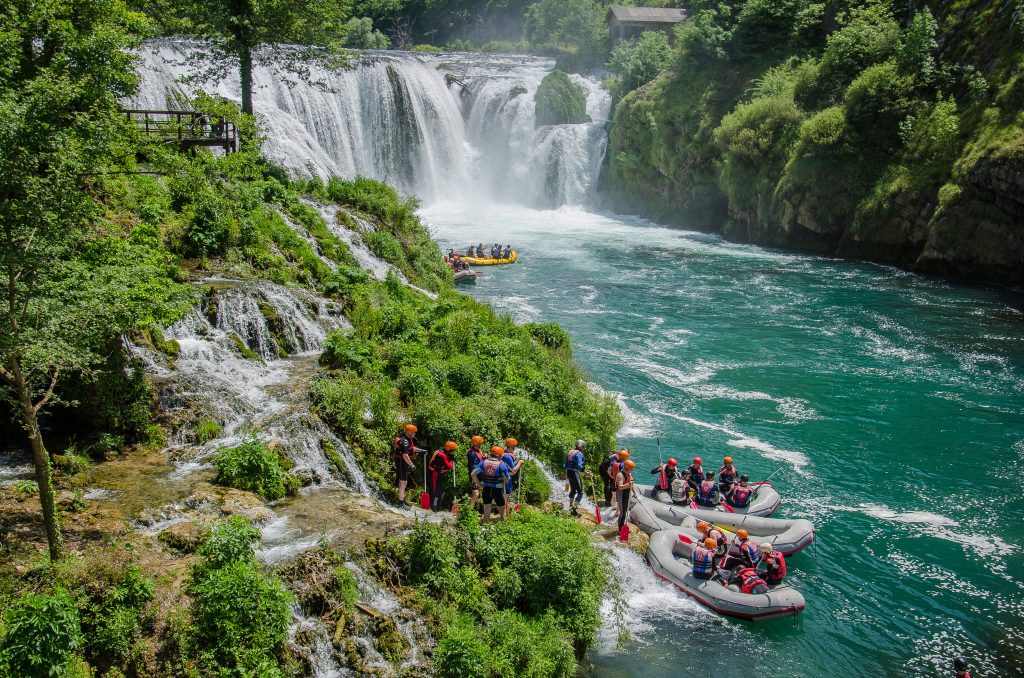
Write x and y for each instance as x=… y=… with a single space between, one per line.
x=440 y=465
x=774 y=564
x=960 y=666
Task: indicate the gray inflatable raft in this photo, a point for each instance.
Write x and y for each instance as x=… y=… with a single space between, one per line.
x=763 y=503
x=666 y=557
x=786 y=536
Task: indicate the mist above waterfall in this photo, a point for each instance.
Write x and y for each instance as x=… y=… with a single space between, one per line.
x=393 y=118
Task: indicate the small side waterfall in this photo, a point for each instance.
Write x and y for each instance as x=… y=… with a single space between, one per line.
x=392 y=117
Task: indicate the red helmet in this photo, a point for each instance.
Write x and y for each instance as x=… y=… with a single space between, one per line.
x=696 y=460
x=671 y=462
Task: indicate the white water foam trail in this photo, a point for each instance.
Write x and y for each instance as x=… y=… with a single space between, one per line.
x=797 y=460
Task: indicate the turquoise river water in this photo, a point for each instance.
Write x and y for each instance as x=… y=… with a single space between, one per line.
x=892 y=402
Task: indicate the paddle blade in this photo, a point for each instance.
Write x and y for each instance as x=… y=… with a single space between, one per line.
x=597 y=514
x=567 y=487
x=624 y=532
x=425 y=501
x=686 y=540
x=728 y=508
x=516 y=507
x=663 y=479
x=455 y=509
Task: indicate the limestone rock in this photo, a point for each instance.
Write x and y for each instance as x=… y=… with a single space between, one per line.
x=186 y=536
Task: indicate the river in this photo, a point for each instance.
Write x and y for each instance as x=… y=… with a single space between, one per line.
x=893 y=403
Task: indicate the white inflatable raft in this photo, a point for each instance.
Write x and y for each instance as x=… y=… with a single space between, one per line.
x=666 y=557
x=786 y=536
x=763 y=503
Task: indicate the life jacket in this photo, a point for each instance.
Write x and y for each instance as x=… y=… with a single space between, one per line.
x=776 y=563
x=492 y=472
x=706 y=492
x=703 y=560
x=741 y=496
x=397 y=446
x=629 y=479
x=570 y=460
x=696 y=474
x=748 y=548
x=439 y=462
x=666 y=478
x=680 y=490
x=474 y=457
x=727 y=475
x=749 y=579
x=717 y=535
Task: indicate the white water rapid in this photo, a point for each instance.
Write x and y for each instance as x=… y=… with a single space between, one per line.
x=392 y=117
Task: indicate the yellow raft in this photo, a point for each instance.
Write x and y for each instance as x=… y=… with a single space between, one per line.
x=477 y=261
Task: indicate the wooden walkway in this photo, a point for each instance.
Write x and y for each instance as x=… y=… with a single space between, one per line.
x=187 y=129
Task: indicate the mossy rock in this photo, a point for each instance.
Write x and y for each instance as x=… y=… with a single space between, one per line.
x=243 y=349
x=186 y=537
x=560 y=101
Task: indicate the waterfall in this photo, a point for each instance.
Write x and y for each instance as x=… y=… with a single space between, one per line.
x=392 y=117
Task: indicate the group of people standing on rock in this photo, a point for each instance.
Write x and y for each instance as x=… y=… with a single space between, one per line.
x=699 y=486
x=493 y=476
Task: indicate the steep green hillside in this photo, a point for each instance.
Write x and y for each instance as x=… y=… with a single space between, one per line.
x=885 y=132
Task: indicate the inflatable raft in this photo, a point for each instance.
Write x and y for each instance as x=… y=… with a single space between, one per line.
x=786 y=536
x=669 y=559
x=487 y=261
x=763 y=503
x=466 y=277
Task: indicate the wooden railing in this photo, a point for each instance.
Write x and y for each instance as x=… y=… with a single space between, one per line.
x=187 y=129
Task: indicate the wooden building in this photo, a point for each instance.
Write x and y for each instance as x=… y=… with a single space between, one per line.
x=627 y=23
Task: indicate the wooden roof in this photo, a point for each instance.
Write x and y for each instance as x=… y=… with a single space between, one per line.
x=654 y=15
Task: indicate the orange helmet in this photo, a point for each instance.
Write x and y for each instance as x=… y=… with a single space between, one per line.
x=710 y=543
x=511 y=442
x=451 y=445
x=630 y=464
x=411 y=429
x=478 y=440
x=701 y=526
x=623 y=453
x=497 y=451
x=741 y=533
x=728 y=460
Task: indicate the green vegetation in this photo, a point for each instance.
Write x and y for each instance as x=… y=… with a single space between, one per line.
x=560 y=101
x=838 y=128
x=636 y=63
x=253 y=467
x=519 y=598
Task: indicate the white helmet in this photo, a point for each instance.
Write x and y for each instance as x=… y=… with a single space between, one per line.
x=766 y=547
x=580 y=444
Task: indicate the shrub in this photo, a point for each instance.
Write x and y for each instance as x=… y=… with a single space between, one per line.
x=340 y=402
x=230 y=541
x=637 y=63
x=415 y=383
x=206 y=430
x=536 y=489
x=252 y=467
x=550 y=335
x=347 y=353
x=464 y=375
x=461 y=653
x=876 y=102
x=241 y=615
x=41 y=634
x=560 y=101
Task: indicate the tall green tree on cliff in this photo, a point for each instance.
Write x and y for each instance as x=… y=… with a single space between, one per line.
x=68 y=286
x=291 y=35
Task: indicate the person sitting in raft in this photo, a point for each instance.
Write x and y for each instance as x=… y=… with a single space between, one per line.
x=493 y=473
x=471 y=251
x=748 y=581
x=749 y=554
x=711 y=532
x=480 y=251
x=740 y=494
x=726 y=476
x=703 y=559
x=696 y=472
x=960 y=667
x=774 y=564
x=681 y=489
x=624 y=488
x=507 y=252
x=667 y=474
x=474 y=457
x=707 y=492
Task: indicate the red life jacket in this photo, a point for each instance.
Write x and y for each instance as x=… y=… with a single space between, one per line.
x=749 y=579
x=396 y=447
x=776 y=563
x=741 y=495
x=706 y=491
x=703 y=560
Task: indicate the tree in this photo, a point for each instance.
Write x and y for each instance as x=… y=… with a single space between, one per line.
x=290 y=34
x=637 y=63
x=68 y=285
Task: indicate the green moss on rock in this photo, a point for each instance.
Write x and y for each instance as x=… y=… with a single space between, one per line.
x=560 y=101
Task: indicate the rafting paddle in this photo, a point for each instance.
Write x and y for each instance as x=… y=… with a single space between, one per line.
x=425 y=497
x=597 y=507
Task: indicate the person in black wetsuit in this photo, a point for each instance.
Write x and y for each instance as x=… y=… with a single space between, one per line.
x=663 y=485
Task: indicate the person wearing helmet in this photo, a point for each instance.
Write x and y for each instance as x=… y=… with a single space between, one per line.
x=703 y=559
x=574 y=465
x=493 y=473
x=442 y=461
x=773 y=564
x=609 y=469
x=711 y=532
x=474 y=457
x=696 y=472
x=404 y=447
x=748 y=553
x=514 y=465
x=748 y=581
x=960 y=666
x=707 y=491
x=667 y=474
x=624 y=488
x=726 y=476
x=741 y=494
